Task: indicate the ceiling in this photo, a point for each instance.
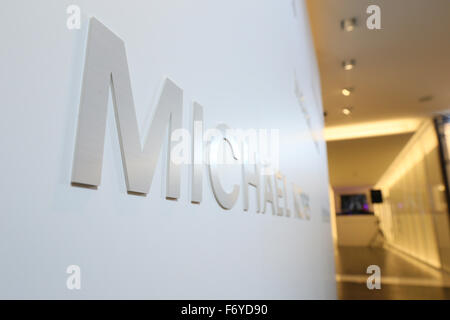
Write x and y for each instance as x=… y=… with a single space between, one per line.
x=361 y=162
x=407 y=59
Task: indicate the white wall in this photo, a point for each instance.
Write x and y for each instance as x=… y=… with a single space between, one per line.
x=238 y=59
x=356 y=231
x=361 y=162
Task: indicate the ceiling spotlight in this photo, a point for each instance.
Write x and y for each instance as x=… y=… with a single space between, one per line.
x=347 y=91
x=348 y=24
x=348 y=64
x=347 y=111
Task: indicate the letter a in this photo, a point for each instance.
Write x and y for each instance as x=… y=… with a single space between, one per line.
x=74 y=280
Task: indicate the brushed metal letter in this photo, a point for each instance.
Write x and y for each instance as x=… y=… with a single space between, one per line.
x=106 y=65
x=281 y=193
x=268 y=193
x=224 y=199
x=297 y=192
x=306 y=206
x=197 y=154
x=250 y=179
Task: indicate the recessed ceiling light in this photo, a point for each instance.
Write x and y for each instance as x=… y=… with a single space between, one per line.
x=348 y=64
x=347 y=91
x=348 y=24
x=347 y=111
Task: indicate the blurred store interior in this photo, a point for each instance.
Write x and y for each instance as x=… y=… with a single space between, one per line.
x=386 y=97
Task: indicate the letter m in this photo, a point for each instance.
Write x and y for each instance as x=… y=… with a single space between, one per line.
x=106 y=66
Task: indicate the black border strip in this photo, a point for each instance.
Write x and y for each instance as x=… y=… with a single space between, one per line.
x=438 y=123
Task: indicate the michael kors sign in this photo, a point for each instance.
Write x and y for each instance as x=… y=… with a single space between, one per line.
x=106 y=67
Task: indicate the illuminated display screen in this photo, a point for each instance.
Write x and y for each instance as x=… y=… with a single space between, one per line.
x=354 y=204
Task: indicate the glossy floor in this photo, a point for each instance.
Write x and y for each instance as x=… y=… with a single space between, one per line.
x=401 y=277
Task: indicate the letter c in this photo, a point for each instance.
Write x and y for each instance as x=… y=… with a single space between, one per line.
x=224 y=199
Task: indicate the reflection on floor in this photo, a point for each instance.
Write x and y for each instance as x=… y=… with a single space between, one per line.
x=401 y=277
x=350 y=291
